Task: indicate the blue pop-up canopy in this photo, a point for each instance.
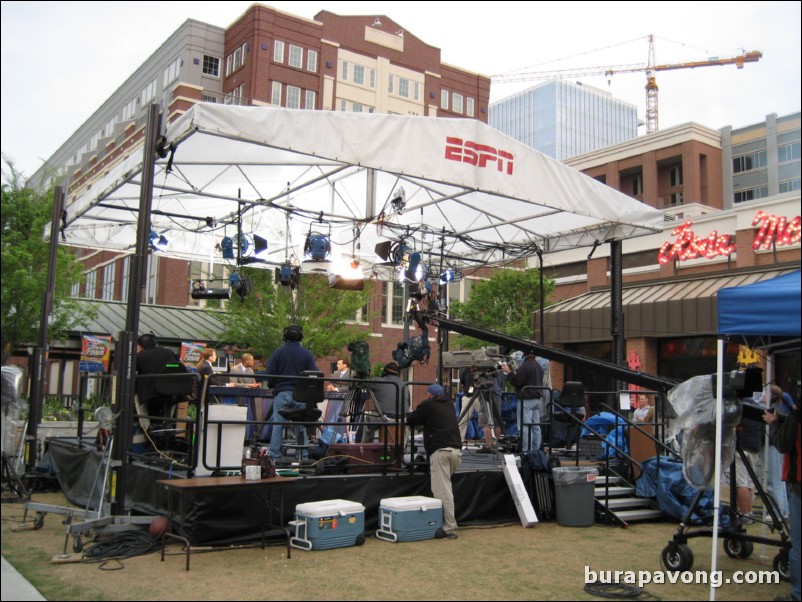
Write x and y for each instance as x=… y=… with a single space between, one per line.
x=765 y=314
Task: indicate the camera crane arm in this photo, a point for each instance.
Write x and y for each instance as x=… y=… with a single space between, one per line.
x=648 y=381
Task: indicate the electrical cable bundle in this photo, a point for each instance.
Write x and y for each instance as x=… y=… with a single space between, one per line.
x=123 y=545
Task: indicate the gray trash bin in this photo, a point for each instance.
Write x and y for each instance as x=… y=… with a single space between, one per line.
x=574 y=495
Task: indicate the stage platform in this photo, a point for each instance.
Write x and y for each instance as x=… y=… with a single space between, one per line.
x=481 y=494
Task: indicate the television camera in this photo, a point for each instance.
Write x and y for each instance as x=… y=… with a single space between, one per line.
x=488 y=361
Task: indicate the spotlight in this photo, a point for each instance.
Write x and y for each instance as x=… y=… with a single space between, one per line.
x=199 y=291
x=399 y=201
x=241 y=285
x=253 y=248
x=390 y=252
x=317 y=247
x=415 y=269
x=158 y=242
x=227 y=247
x=287 y=275
x=349 y=278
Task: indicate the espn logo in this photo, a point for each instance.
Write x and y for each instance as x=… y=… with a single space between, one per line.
x=479 y=155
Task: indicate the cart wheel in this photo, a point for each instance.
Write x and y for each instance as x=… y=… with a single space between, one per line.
x=77 y=544
x=677 y=557
x=39 y=521
x=360 y=540
x=738 y=548
x=782 y=566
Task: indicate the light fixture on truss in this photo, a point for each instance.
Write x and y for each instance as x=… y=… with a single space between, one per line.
x=158 y=242
x=349 y=277
x=199 y=290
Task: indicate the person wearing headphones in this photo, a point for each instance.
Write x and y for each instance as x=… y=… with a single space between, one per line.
x=289 y=360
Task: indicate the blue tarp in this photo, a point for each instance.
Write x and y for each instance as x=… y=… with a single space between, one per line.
x=764 y=314
x=673 y=493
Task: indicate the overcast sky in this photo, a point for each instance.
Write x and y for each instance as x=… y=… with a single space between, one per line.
x=61 y=60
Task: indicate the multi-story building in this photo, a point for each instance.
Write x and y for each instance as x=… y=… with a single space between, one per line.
x=265 y=58
x=562 y=119
x=670 y=279
x=762 y=159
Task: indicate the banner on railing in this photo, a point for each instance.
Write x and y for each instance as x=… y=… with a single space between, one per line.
x=191 y=352
x=95 y=353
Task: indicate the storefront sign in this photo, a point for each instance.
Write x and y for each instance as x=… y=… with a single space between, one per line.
x=191 y=352
x=689 y=246
x=773 y=230
x=95 y=353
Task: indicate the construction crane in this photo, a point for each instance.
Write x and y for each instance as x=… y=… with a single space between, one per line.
x=650 y=68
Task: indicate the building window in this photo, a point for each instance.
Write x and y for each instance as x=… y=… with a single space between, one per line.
x=675 y=176
x=788 y=152
x=359 y=75
x=391 y=85
x=311 y=60
x=637 y=185
x=236 y=96
x=789 y=185
x=296 y=57
x=126 y=274
x=211 y=65
x=470 y=110
x=278 y=51
x=344 y=70
x=456 y=102
x=108 y=282
x=91 y=284
x=372 y=76
x=749 y=162
x=310 y=99
x=129 y=110
x=149 y=93
x=293 y=97
x=751 y=194
x=675 y=198
x=75 y=291
x=416 y=90
x=275 y=94
x=171 y=72
x=393 y=303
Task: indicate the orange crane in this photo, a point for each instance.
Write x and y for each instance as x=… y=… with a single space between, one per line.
x=650 y=68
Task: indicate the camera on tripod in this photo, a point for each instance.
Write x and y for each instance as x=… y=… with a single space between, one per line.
x=485 y=359
x=360 y=358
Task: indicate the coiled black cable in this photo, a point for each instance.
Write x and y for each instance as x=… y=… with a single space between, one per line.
x=617 y=591
x=123 y=545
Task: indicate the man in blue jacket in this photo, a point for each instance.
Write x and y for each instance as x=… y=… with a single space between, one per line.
x=291 y=359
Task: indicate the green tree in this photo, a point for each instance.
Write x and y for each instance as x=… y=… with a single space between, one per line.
x=505 y=303
x=326 y=315
x=25 y=258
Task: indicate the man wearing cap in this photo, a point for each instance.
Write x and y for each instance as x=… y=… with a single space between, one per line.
x=392 y=399
x=438 y=417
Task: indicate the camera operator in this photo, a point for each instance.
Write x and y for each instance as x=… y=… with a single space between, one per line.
x=529 y=374
x=385 y=389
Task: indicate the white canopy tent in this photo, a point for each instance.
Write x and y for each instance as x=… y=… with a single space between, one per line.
x=470 y=194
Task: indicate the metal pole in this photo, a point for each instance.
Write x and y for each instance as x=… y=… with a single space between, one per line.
x=616 y=307
x=125 y=355
x=39 y=363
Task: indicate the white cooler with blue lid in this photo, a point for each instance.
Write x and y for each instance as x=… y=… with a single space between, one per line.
x=328 y=524
x=411 y=518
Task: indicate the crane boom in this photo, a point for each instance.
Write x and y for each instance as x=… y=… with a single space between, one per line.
x=649 y=68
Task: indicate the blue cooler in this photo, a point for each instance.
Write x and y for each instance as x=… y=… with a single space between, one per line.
x=410 y=518
x=328 y=524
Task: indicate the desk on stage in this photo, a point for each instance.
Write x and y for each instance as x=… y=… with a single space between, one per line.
x=185 y=488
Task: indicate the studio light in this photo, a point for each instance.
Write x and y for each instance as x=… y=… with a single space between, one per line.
x=240 y=284
x=199 y=291
x=390 y=252
x=450 y=275
x=287 y=275
x=317 y=247
x=158 y=242
x=252 y=248
x=348 y=278
x=413 y=269
x=399 y=201
x=227 y=247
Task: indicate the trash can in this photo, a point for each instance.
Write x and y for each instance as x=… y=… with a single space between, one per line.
x=574 y=495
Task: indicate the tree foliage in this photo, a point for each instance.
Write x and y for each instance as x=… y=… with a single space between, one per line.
x=326 y=315
x=25 y=258
x=505 y=303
